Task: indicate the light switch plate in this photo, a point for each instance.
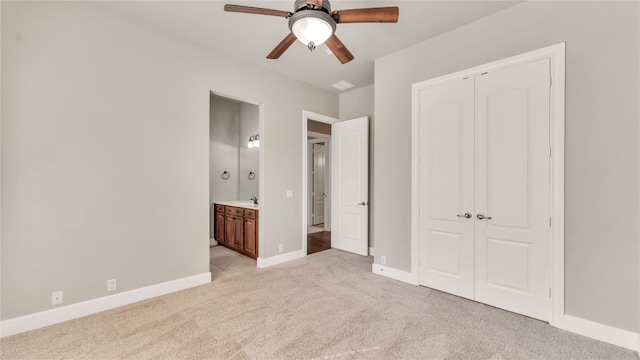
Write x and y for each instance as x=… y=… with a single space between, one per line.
x=111 y=285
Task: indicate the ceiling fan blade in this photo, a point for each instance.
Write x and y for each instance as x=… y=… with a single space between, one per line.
x=368 y=15
x=282 y=47
x=338 y=49
x=255 y=10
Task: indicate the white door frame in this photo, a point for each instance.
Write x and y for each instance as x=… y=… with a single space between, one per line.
x=556 y=54
x=308 y=115
x=326 y=139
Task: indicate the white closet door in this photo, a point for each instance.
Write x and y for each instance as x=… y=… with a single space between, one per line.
x=446 y=187
x=350 y=185
x=512 y=189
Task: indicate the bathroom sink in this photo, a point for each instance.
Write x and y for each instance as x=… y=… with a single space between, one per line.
x=245 y=204
x=248 y=204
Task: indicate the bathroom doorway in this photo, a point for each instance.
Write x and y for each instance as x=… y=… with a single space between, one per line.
x=235 y=166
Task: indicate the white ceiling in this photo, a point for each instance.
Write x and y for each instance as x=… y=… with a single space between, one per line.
x=251 y=37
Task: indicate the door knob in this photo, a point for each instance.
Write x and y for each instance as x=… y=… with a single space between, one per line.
x=364 y=203
x=481 y=216
x=466 y=215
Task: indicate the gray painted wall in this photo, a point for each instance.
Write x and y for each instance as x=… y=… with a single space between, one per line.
x=602 y=165
x=105 y=154
x=354 y=104
x=249 y=116
x=232 y=122
x=224 y=143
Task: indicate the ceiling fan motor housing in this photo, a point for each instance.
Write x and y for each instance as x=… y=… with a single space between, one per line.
x=312 y=14
x=299 y=4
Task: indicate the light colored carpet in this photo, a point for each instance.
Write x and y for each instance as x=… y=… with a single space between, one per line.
x=326 y=306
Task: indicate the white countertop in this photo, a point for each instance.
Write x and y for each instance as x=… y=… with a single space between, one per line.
x=248 y=204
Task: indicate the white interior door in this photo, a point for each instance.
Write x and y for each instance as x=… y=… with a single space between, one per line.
x=484 y=151
x=318 y=190
x=350 y=185
x=512 y=189
x=446 y=183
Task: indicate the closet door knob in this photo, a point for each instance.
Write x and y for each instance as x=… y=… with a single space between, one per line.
x=466 y=215
x=481 y=216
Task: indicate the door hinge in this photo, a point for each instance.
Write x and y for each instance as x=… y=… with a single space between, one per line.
x=550 y=153
x=549 y=292
x=549 y=221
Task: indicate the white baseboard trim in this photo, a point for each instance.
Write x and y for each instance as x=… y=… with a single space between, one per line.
x=279 y=259
x=395 y=274
x=371 y=251
x=213 y=242
x=609 y=334
x=615 y=336
x=54 y=316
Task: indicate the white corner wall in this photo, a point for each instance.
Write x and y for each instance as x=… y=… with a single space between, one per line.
x=105 y=147
x=602 y=226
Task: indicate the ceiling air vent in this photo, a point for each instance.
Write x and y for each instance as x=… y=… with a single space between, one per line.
x=342 y=85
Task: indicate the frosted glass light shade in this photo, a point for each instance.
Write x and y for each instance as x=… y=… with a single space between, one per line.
x=312 y=29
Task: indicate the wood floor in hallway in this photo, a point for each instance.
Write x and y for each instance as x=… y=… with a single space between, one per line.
x=319 y=241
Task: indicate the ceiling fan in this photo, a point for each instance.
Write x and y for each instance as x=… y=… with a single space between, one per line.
x=313 y=23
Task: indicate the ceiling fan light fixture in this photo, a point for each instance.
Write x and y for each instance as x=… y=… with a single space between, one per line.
x=313 y=23
x=312 y=26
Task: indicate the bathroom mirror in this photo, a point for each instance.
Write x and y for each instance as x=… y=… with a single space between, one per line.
x=233 y=161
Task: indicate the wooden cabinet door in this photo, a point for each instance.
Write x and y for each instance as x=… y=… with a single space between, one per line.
x=233 y=227
x=229 y=230
x=234 y=232
x=250 y=236
x=219 y=227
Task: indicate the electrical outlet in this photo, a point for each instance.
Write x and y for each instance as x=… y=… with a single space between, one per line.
x=56 y=297
x=111 y=285
x=383 y=260
x=289 y=193
x=281 y=248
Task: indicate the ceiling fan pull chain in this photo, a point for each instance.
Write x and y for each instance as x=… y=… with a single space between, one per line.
x=311 y=46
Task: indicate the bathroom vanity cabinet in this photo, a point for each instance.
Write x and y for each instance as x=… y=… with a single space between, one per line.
x=236 y=227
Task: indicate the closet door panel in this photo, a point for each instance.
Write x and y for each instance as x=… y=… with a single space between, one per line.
x=512 y=189
x=446 y=187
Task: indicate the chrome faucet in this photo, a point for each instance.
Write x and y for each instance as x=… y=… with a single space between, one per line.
x=255 y=200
